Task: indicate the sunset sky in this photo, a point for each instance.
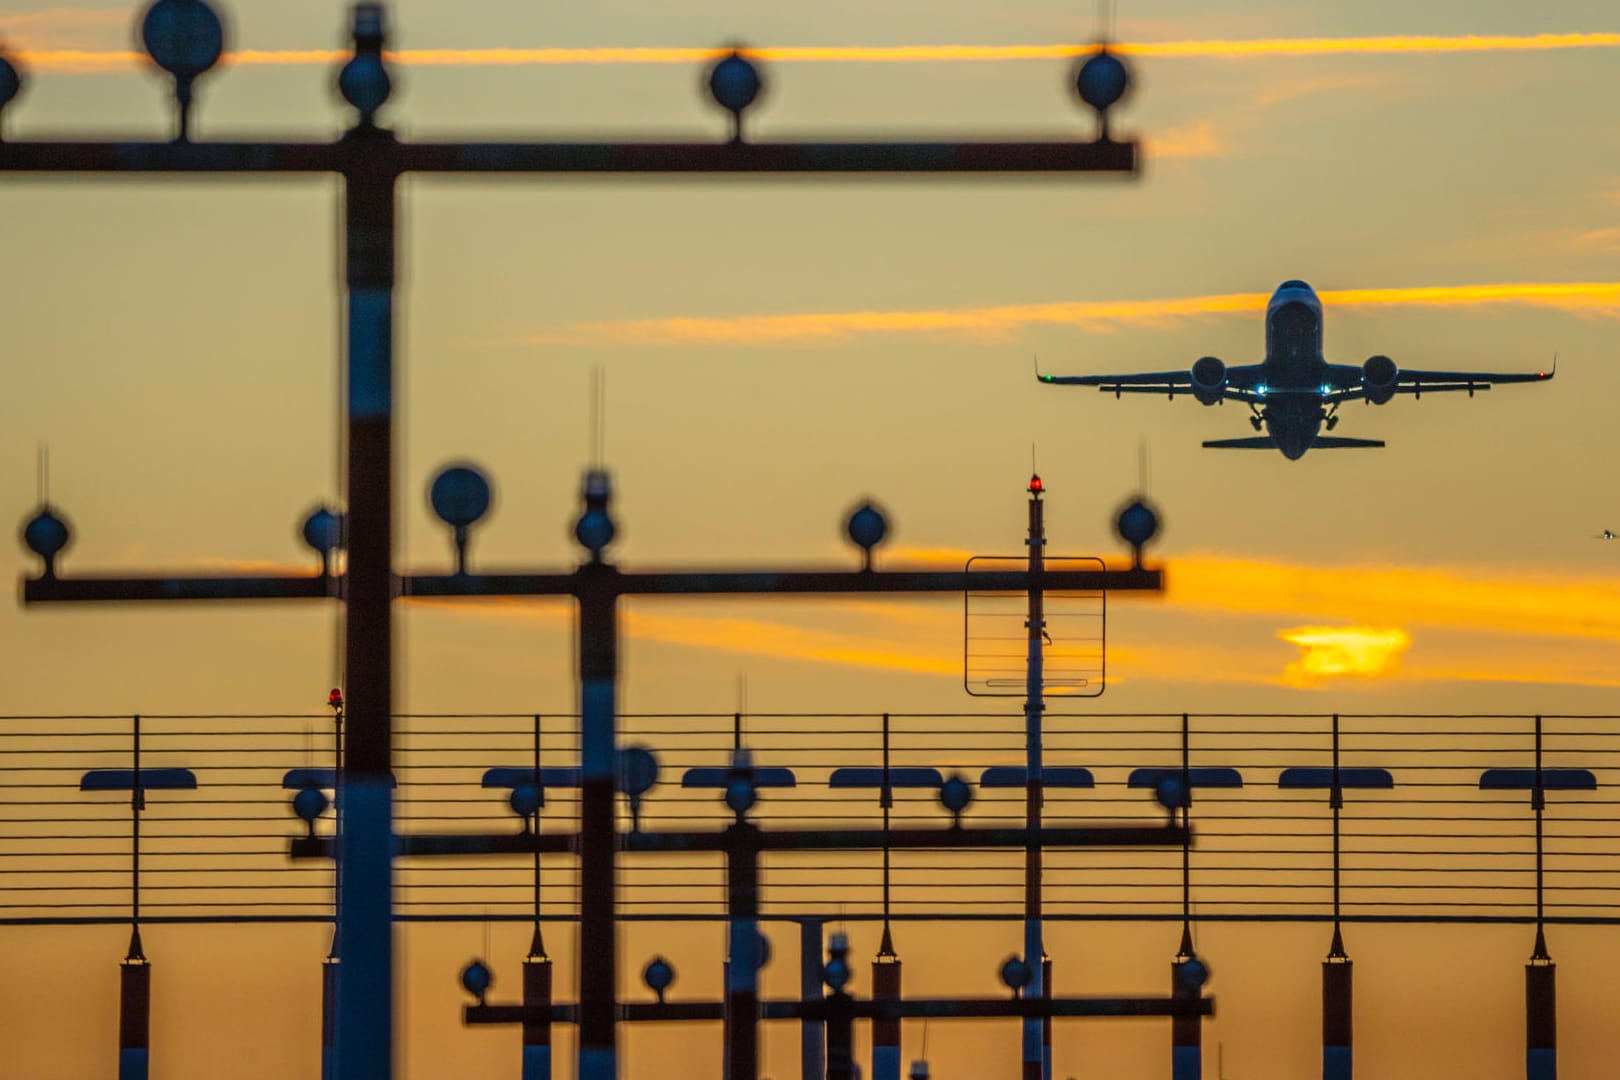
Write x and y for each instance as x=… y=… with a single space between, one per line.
x=1447 y=175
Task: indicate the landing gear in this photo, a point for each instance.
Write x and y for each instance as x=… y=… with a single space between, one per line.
x=1331 y=420
x=1255 y=417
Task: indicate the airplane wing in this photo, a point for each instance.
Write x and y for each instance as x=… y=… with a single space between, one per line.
x=1239 y=380
x=1347 y=385
x=1423 y=382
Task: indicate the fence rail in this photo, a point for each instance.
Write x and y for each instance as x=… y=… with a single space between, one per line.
x=1435 y=846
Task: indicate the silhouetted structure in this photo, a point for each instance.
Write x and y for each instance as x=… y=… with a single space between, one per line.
x=186 y=39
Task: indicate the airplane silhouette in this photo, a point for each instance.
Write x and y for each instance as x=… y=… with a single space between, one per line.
x=1294 y=392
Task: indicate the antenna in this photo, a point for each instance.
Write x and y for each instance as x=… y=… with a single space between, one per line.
x=598 y=423
x=1105 y=20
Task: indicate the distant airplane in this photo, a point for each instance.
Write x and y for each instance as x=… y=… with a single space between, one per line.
x=1293 y=392
x=1606 y=534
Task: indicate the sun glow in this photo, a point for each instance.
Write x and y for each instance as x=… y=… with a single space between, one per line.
x=1335 y=651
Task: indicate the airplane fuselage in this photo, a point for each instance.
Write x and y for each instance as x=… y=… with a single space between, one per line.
x=1294 y=370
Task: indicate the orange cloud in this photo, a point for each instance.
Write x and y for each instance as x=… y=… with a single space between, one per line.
x=1095 y=316
x=64 y=27
x=921 y=654
x=1504 y=625
x=1511 y=602
x=932 y=646
x=1335 y=651
x=84 y=60
x=1602 y=239
x=1194 y=141
x=1280 y=91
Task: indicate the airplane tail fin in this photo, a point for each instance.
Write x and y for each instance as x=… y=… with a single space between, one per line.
x=1259 y=442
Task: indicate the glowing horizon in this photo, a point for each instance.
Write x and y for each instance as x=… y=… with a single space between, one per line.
x=1599 y=298
x=1358 y=630
x=85 y=61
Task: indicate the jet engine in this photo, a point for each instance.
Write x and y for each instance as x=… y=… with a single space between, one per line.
x=1209 y=380
x=1378 y=377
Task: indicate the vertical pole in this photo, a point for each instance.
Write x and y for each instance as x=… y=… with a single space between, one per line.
x=137 y=803
x=134 y=1017
x=1336 y=1018
x=537 y=968
x=537 y=994
x=1540 y=974
x=1186 y=1034
x=840 y=1038
x=742 y=973
x=329 y=966
x=840 y=1012
x=812 y=1032
x=885 y=1031
x=1337 y=969
x=598 y=946
x=329 y=991
x=886 y=965
x=365 y=839
x=1541 y=1021
x=135 y=972
x=1046 y=1021
x=1034 y=949
x=1186 y=1049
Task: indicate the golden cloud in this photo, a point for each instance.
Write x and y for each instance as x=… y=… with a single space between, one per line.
x=87 y=60
x=1194 y=141
x=53 y=27
x=1495 y=625
x=1601 y=298
x=1513 y=602
x=1336 y=651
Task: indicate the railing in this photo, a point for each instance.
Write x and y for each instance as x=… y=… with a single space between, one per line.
x=1434 y=847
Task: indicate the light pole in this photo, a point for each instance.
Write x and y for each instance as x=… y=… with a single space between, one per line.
x=186 y=38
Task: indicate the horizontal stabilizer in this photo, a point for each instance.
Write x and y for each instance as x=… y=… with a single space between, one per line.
x=1266 y=442
x=1329 y=442
x=1259 y=442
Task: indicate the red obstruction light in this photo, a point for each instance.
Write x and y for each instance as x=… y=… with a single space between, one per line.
x=1035 y=485
x=335 y=698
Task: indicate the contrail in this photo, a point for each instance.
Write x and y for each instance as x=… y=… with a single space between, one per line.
x=93 y=60
x=1594 y=298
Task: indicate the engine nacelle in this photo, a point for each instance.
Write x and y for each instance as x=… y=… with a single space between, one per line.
x=1208 y=380
x=1378 y=377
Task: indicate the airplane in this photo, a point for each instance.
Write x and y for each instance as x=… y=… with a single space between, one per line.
x=1294 y=393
